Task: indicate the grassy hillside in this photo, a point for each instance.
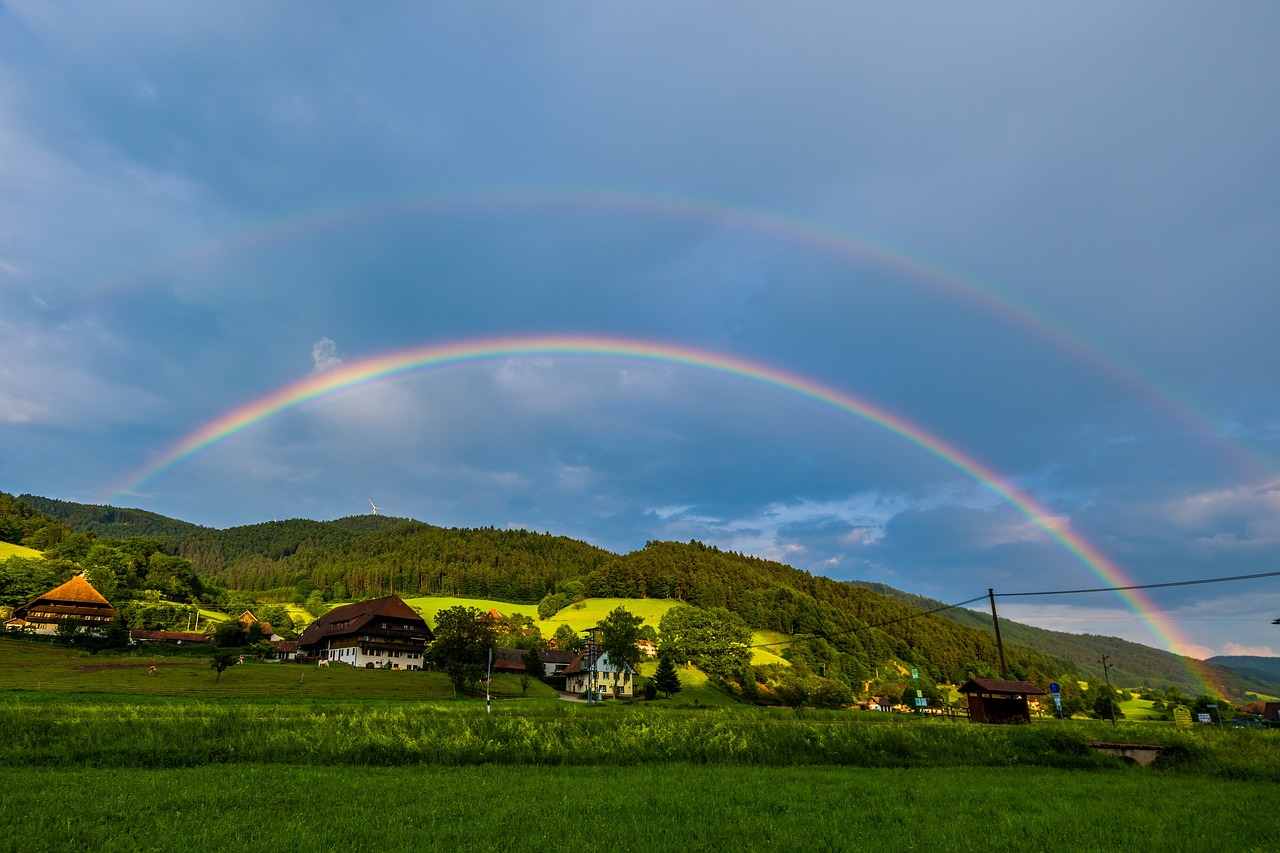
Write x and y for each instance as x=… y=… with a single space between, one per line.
x=8 y=549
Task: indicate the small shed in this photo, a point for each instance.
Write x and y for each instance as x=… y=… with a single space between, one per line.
x=992 y=700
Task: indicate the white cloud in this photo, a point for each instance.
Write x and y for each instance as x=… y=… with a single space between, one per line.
x=1254 y=651
x=324 y=356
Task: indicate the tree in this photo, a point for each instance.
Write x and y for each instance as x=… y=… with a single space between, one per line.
x=666 y=679
x=113 y=635
x=66 y=631
x=463 y=637
x=533 y=665
x=222 y=659
x=1105 y=703
x=228 y=633
x=567 y=639
x=714 y=640
x=617 y=638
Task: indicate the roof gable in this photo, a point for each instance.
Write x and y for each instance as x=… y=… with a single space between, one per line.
x=995 y=685
x=350 y=618
x=77 y=589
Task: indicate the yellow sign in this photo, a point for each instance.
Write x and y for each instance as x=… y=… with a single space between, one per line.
x=1182 y=718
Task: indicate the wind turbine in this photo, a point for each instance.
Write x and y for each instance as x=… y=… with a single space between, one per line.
x=375 y=506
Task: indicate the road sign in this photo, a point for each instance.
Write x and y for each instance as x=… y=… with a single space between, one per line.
x=922 y=703
x=915 y=674
x=1057 y=700
x=1182 y=718
x=1204 y=718
x=919 y=694
x=1054 y=688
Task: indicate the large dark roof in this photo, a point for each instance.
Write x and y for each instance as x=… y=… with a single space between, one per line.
x=75 y=597
x=351 y=618
x=995 y=685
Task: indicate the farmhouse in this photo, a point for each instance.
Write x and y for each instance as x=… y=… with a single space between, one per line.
x=140 y=635
x=383 y=633
x=247 y=619
x=555 y=662
x=609 y=679
x=76 y=599
x=994 y=701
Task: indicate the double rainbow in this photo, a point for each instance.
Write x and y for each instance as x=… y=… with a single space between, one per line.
x=389 y=366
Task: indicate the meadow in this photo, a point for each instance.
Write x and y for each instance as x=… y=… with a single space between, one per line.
x=96 y=754
x=8 y=549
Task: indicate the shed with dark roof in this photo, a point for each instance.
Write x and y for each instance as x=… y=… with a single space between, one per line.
x=992 y=700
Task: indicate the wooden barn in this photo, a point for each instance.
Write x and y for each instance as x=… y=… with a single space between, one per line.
x=994 y=701
x=76 y=599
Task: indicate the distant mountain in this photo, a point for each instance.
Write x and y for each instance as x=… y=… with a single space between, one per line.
x=1267 y=669
x=1133 y=663
x=108 y=521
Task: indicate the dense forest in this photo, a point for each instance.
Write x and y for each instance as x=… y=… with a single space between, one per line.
x=852 y=633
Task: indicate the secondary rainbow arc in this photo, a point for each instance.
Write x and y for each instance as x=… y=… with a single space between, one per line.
x=784 y=226
x=390 y=365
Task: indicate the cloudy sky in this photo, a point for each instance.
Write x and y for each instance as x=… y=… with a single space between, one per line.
x=1045 y=238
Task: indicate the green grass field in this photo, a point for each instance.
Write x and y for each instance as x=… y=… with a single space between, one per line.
x=41 y=666
x=661 y=807
x=8 y=549
x=96 y=754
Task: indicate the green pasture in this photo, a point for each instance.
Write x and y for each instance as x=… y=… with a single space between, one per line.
x=663 y=807
x=8 y=549
x=695 y=687
x=430 y=605
x=41 y=666
x=1140 y=709
x=589 y=613
x=768 y=648
x=579 y=617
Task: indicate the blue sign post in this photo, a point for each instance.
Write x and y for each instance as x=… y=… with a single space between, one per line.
x=1057 y=698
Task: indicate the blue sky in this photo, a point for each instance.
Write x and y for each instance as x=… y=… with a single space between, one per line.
x=1046 y=236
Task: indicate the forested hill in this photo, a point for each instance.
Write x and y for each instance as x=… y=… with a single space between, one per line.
x=839 y=627
x=1134 y=663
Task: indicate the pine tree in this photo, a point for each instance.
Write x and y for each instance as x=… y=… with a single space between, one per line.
x=666 y=679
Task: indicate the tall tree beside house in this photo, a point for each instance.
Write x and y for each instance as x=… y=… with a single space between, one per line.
x=532 y=661
x=715 y=640
x=617 y=637
x=567 y=639
x=66 y=631
x=463 y=637
x=666 y=679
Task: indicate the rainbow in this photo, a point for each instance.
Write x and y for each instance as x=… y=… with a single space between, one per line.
x=795 y=230
x=392 y=365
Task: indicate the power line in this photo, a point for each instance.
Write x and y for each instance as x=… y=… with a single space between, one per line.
x=1140 y=586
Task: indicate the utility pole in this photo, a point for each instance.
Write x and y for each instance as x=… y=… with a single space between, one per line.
x=995 y=620
x=1111 y=696
x=591 y=666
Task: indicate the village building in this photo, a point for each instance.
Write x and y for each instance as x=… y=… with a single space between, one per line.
x=139 y=635
x=383 y=633
x=609 y=680
x=247 y=620
x=555 y=662
x=75 y=599
x=992 y=700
